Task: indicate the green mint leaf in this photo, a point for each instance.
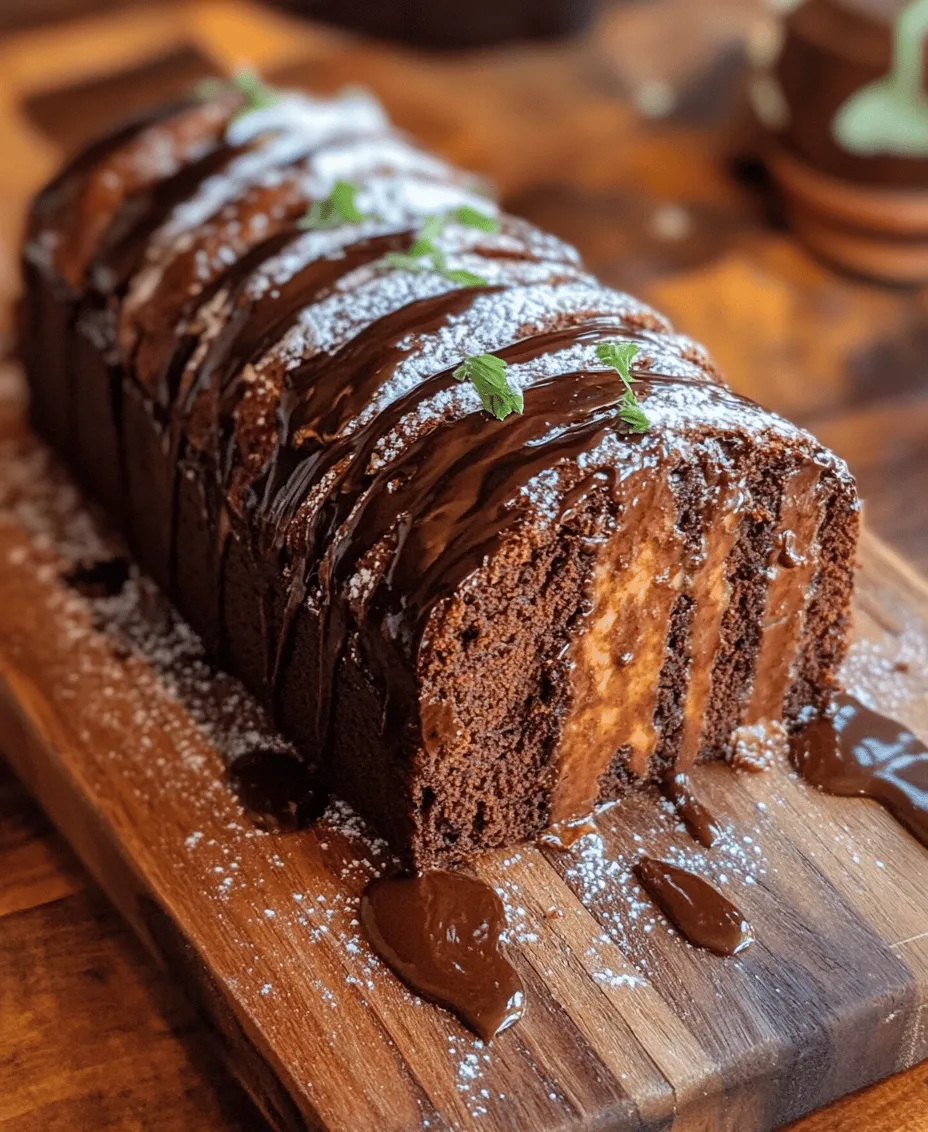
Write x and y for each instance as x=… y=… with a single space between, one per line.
x=343 y=204
x=338 y=208
x=618 y=356
x=631 y=412
x=422 y=256
x=257 y=95
x=465 y=278
x=422 y=246
x=425 y=249
x=487 y=374
x=432 y=228
x=472 y=218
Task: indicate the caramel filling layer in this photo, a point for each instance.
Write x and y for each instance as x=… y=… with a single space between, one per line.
x=711 y=592
x=791 y=572
x=615 y=658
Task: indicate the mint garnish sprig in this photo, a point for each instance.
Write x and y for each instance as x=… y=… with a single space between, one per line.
x=338 y=208
x=618 y=356
x=426 y=255
x=487 y=374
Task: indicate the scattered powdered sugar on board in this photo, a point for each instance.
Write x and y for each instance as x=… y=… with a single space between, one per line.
x=599 y=869
x=892 y=672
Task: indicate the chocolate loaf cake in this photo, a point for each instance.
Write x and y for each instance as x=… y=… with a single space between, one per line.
x=382 y=446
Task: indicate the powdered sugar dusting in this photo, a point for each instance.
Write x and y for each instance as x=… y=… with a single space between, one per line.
x=299 y=113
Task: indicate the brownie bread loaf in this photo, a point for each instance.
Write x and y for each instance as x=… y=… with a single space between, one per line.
x=244 y=327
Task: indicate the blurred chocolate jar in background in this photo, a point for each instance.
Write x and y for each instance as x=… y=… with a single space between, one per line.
x=451 y=23
x=846 y=107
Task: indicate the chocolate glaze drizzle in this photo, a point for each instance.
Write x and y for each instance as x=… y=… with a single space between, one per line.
x=857 y=751
x=440 y=932
x=698 y=911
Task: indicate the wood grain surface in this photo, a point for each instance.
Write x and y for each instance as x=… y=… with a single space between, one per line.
x=669 y=206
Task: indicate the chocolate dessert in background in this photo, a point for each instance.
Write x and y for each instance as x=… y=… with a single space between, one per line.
x=846 y=106
x=451 y=23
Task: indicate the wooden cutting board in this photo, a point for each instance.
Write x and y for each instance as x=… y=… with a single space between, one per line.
x=112 y=720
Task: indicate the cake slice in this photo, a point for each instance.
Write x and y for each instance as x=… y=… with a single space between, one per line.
x=489 y=540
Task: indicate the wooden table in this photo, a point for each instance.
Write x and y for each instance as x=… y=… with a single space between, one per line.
x=670 y=206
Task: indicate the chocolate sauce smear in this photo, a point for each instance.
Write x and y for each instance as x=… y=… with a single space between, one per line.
x=440 y=932
x=857 y=751
x=700 y=824
x=699 y=912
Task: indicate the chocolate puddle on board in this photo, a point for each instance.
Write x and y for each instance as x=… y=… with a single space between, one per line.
x=699 y=912
x=858 y=752
x=700 y=824
x=440 y=932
